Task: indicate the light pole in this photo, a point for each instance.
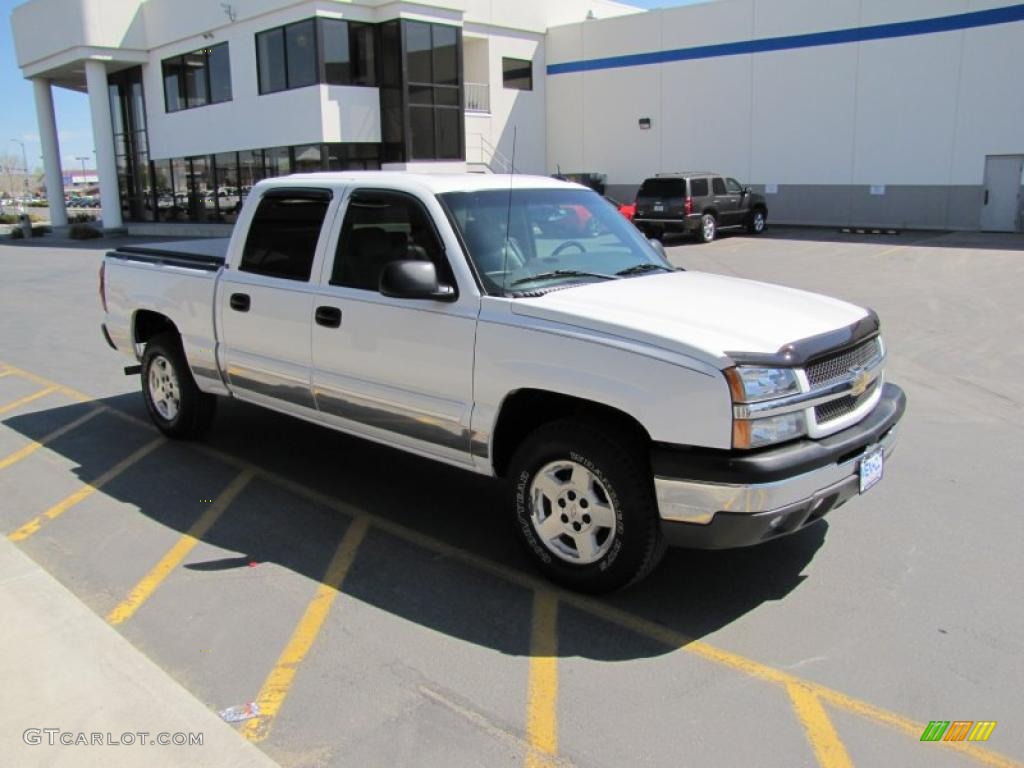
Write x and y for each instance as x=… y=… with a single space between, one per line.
x=24 y=161
x=82 y=160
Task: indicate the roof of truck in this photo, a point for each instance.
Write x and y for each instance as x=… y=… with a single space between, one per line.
x=436 y=183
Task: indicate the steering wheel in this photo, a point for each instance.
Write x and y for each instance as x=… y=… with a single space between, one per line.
x=567 y=244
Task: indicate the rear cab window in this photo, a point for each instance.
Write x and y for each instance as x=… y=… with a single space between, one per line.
x=662 y=188
x=284 y=233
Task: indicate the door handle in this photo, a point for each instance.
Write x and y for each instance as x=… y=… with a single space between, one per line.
x=329 y=317
x=239 y=302
x=986 y=197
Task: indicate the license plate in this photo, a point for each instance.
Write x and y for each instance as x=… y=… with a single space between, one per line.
x=871 y=468
x=659 y=207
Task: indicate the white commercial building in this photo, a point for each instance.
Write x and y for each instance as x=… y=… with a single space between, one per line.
x=897 y=113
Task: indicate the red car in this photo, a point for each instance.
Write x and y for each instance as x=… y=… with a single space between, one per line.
x=626 y=209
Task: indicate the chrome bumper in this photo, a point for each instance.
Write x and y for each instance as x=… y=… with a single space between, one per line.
x=688 y=501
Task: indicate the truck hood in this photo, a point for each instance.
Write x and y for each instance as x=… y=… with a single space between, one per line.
x=697 y=314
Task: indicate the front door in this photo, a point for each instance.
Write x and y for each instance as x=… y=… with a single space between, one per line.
x=393 y=369
x=727 y=204
x=266 y=305
x=1000 y=208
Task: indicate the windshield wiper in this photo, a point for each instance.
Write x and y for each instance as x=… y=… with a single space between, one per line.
x=561 y=273
x=639 y=269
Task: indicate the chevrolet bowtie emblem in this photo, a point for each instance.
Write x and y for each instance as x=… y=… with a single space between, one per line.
x=861 y=381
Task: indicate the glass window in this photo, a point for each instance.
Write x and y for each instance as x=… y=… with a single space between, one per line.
x=381 y=227
x=448 y=123
x=228 y=195
x=419 y=66
x=445 y=55
x=283 y=234
x=195 y=79
x=517 y=73
x=699 y=187
x=219 y=67
x=174 y=84
x=163 y=188
x=337 y=63
x=718 y=186
x=308 y=158
x=421 y=126
x=182 y=172
x=270 y=60
x=278 y=161
x=250 y=170
x=352 y=157
x=300 y=46
x=362 y=44
x=661 y=188
x=202 y=197
x=541 y=224
x=733 y=187
x=391 y=49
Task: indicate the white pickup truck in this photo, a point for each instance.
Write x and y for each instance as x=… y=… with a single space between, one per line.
x=520 y=328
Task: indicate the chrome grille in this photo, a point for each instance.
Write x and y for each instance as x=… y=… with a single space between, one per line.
x=835 y=409
x=833 y=368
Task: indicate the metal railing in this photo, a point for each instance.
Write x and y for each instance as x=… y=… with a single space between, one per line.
x=478 y=97
x=481 y=152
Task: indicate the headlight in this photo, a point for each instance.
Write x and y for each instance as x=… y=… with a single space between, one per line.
x=751 y=384
x=753 y=433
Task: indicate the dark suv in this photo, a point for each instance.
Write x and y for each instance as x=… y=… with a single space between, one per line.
x=697 y=202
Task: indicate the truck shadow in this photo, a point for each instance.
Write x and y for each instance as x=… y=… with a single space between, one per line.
x=692 y=593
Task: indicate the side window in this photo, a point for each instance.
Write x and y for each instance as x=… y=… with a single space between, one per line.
x=699 y=187
x=380 y=227
x=284 y=232
x=718 y=186
x=733 y=186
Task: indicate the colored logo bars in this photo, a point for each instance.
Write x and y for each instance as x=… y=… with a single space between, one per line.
x=958 y=730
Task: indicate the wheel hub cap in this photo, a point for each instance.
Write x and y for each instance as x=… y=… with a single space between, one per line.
x=572 y=513
x=163 y=388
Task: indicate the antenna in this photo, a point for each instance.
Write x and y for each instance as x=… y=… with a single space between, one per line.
x=508 y=213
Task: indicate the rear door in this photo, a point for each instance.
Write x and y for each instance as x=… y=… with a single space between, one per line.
x=266 y=305
x=725 y=203
x=661 y=198
x=393 y=369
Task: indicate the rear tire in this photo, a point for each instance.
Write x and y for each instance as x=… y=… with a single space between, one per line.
x=708 y=228
x=173 y=400
x=584 y=507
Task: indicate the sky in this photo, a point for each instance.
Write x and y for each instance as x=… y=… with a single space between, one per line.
x=18 y=114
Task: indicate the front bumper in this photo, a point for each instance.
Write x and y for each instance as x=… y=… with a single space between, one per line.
x=722 y=499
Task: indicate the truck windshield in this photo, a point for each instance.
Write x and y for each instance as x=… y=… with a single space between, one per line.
x=548 y=237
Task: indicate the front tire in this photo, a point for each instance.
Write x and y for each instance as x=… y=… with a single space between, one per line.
x=173 y=400
x=758 y=221
x=584 y=507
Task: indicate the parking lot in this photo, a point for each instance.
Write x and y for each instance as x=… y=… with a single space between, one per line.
x=376 y=608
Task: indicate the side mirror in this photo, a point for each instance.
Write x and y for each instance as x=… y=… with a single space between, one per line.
x=746 y=190
x=659 y=247
x=409 y=279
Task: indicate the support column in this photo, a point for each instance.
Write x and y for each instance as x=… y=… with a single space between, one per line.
x=103 y=138
x=51 y=151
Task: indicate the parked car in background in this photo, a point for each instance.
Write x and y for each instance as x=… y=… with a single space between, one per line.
x=626 y=209
x=697 y=202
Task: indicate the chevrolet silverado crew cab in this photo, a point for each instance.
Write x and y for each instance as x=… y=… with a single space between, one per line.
x=625 y=403
x=699 y=203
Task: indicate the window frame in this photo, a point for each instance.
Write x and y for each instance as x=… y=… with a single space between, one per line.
x=739 y=187
x=321 y=194
x=319 y=62
x=183 y=95
x=717 y=181
x=445 y=272
x=504 y=72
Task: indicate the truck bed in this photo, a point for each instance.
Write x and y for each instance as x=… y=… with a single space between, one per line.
x=208 y=254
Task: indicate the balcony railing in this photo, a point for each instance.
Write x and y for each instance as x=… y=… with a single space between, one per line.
x=478 y=97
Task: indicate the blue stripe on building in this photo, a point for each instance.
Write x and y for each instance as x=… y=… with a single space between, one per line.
x=792 y=42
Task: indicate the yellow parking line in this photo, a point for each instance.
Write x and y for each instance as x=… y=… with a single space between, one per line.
x=542 y=687
x=278 y=683
x=28 y=399
x=83 y=493
x=35 y=445
x=825 y=742
x=592 y=606
x=149 y=583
